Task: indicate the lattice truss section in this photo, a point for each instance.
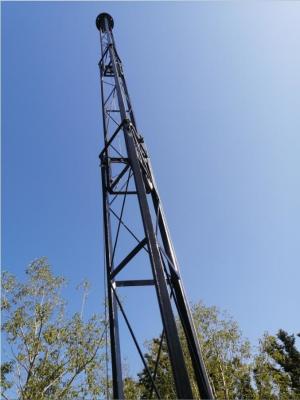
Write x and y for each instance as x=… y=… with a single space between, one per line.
x=129 y=255
x=119 y=183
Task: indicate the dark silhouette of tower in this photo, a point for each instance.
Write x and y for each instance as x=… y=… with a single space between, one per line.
x=127 y=174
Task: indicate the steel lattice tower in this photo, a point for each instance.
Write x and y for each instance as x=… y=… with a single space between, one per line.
x=126 y=172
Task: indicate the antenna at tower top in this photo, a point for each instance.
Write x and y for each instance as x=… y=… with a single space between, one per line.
x=100 y=21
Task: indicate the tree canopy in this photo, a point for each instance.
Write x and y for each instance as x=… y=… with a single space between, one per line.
x=50 y=356
x=235 y=371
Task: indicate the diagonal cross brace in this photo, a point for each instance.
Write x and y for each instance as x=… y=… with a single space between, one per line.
x=129 y=257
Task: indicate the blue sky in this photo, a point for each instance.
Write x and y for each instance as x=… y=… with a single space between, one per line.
x=216 y=92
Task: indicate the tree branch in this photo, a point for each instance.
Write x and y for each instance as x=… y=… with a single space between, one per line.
x=78 y=372
x=24 y=340
x=4 y=396
x=35 y=354
x=17 y=360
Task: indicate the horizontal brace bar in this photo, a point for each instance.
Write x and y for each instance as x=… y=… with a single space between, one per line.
x=128 y=258
x=110 y=110
x=123 y=160
x=122 y=192
x=139 y=282
x=108 y=74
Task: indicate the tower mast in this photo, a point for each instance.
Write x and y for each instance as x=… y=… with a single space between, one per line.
x=126 y=172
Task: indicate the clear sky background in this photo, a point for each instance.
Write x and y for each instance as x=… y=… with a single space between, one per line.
x=216 y=91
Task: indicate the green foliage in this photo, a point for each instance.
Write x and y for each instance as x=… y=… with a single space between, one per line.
x=50 y=356
x=226 y=353
x=6 y=369
x=277 y=367
x=234 y=372
x=163 y=376
x=286 y=355
x=131 y=389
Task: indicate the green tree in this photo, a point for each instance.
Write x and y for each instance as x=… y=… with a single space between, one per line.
x=48 y=355
x=226 y=354
x=131 y=389
x=161 y=372
x=277 y=367
x=284 y=352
